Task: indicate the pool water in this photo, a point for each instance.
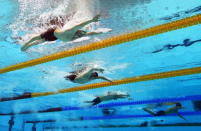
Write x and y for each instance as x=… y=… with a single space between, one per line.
x=140 y=57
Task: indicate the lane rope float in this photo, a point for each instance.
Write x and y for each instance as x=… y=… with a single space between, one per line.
x=113 y=104
x=182 y=72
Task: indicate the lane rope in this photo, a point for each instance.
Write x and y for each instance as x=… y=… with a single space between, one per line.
x=190 y=21
x=135 y=79
x=124 y=126
x=113 y=104
x=187 y=113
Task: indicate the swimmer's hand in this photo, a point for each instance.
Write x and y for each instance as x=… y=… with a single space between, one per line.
x=96 y=18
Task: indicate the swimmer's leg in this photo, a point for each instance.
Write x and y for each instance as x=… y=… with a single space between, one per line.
x=81 y=25
x=104 y=78
x=97 y=32
x=95 y=101
x=156 y=51
x=26 y=46
x=149 y=111
x=86 y=72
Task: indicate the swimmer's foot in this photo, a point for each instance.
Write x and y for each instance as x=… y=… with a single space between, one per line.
x=96 y=18
x=24 y=48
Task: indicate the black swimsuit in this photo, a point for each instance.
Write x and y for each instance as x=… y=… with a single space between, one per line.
x=160 y=113
x=78 y=34
x=71 y=77
x=96 y=101
x=49 y=35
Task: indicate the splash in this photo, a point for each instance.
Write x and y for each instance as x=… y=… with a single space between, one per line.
x=37 y=15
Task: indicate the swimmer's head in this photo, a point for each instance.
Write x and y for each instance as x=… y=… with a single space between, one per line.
x=70 y=77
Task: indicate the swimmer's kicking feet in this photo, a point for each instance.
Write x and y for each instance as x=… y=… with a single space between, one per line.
x=65 y=35
x=85 y=75
x=175 y=109
x=108 y=97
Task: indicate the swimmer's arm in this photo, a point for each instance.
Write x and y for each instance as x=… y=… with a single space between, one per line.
x=104 y=78
x=149 y=111
x=179 y=115
x=98 y=32
x=93 y=33
x=156 y=51
x=81 y=25
x=87 y=72
x=91 y=70
x=97 y=69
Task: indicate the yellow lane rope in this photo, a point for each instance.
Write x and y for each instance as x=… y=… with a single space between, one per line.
x=108 y=42
x=175 y=73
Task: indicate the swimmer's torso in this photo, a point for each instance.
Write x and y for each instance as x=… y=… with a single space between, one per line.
x=112 y=97
x=172 y=110
x=83 y=76
x=108 y=97
x=82 y=80
x=64 y=36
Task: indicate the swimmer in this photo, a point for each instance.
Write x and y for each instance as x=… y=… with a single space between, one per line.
x=174 y=109
x=53 y=34
x=85 y=75
x=108 y=97
x=186 y=43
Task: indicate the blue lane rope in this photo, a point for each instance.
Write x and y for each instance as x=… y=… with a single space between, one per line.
x=114 y=104
x=190 y=113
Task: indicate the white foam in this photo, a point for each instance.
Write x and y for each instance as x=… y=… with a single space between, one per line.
x=35 y=13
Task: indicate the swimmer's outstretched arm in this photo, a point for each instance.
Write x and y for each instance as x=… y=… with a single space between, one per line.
x=88 y=71
x=104 y=78
x=149 y=111
x=179 y=115
x=97 y=69
x=79 y=26
x=88 y=101
x=156 y=51
x=124 y=96
x=34 y=41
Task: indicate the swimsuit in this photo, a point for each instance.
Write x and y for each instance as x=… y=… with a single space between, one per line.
x=94 y=74
x=178 y=104
x=78 y=34
x=71 y=77
x=160 y=113
x=49 y=35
